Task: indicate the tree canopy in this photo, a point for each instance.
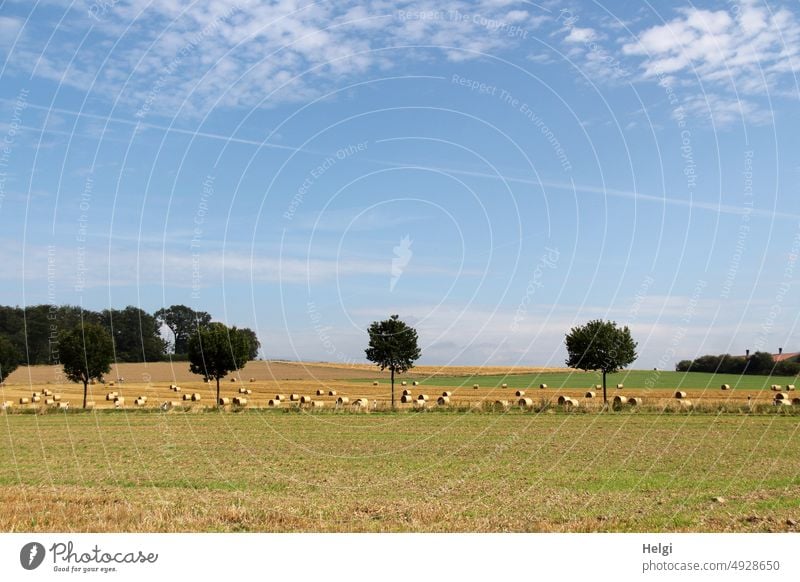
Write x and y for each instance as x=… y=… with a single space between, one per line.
x=393 y=345
x=215 y=350
x=9 y=358
x=600 y=345
x=86 y=352
x=183 y=321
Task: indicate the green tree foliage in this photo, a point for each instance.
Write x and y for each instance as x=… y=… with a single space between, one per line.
x=761 y=363
x=136 y=335
x=216 y=350
x=9 y=358
x=183 y=321
x=600 y=345
x=252 y=341
x=393 y=345
x=86 y=352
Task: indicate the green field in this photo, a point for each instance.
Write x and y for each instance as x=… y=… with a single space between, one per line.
x=631 y=379
x=435 y=471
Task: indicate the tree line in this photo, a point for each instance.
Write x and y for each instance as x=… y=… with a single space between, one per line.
x=31 y=335
x=758 y=363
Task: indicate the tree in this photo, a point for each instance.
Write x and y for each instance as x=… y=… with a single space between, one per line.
x=393 y=345
x=760 y=363
x=252 y=340
x=600 y=345
x=86 y=353
x=215 y=350
x=183 y=321
x=9 y=358
x=136 y=335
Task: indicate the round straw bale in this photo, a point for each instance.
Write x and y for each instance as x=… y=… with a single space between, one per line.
x=274 y=403
x=187 y=396
x=590 y=394
x=342 y=400
x=318 y=404
x=503 y=385
x=420 y=404
x=242 y=390
x=443 y=400
x=619 y=386
x=781 y=396
x=252 y=379
x=635 y=401
x=619 y=400
x=6 y=404
x=177 y=388
x=294 y=397
x=782 y=402
x=331 y=392
x=119 y=401
x=374 y=383
x=519 y=393
x=501 y=403
x=406 y=398
x=415 y=383
x=238 y=401
x=35 y=399
x=49 y=402
x=46 y=392
x=447 y=393
x=542 y=386
x=403 y=383
x=423 y=397
x=224 y=401
x=24 y=401
x=305 y=400
x=406 y=392
x=686 y=403
x=248 y=391
x=63 y=405
x=562 y=399
x=139 y=402
x=280 y=397
x=525 y=402
x=775 y=388
x=598 y=386
x=111 y=395
x=233 y=379
x=680 y=394
x=361 y=402
x=36 y=394
x=196 y=397
x=57 y=397
x=320 y=392
x=476 y=386
x=789 y=387
x=111 y=383
x=570 y=402
x=725 y=387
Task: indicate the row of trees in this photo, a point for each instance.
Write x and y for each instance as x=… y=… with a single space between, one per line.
x=32 y=332
x=760 y=363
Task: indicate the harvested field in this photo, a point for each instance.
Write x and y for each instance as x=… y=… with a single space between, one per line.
x=295 y=471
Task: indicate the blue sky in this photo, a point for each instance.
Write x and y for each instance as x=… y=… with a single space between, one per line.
x=495 y=172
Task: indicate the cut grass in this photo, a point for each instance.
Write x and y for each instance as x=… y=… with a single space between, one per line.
x=635 y=379
x=270 y=471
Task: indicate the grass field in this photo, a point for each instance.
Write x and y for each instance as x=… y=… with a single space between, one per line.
x=634 y=379
x=434 y=471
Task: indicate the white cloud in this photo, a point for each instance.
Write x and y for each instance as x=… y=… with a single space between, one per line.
x=9 y=29
x=577 y=34
x=729 y=57
x=192 y=56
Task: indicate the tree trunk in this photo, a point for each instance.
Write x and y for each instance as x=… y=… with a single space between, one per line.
x=605 y=399
x=85 y=389
x=217 y=391
x=392 y=388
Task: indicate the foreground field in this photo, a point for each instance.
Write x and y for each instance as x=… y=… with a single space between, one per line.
x=434 y=471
